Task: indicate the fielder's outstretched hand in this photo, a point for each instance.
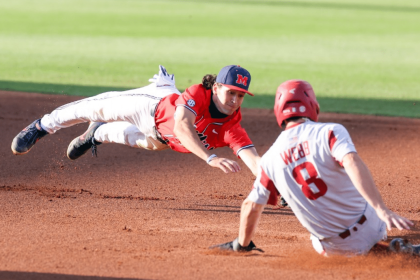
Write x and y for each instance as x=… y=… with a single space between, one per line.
x=390 y=218
x=226 y=165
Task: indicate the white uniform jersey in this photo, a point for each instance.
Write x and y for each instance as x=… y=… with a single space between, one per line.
x=304 y=166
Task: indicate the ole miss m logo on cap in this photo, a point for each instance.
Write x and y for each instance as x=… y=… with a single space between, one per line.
x=235 y=77
x=241 y=80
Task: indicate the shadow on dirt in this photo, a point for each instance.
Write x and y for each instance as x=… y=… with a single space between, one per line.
x=18 y=275
x=285 y=211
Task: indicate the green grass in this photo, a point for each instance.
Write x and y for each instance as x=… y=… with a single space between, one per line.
x=360 y=56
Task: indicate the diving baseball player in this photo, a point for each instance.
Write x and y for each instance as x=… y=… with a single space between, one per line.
x=157 y=117
x=316 y=168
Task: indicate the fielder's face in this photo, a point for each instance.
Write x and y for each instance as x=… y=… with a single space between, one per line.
x=227 y=100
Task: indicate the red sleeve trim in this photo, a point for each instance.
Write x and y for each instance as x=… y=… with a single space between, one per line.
x=237 y=138
x=269 y=185
x=331 y=139
x=183 y=105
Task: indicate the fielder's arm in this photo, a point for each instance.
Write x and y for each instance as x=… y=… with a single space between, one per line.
x=251 y=158
x=185 y=131
x=363 y=181
x=250 y=215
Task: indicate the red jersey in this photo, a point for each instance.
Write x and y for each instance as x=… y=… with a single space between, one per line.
x=213 y=132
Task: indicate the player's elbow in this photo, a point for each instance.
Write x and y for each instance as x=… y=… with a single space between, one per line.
x=350 y=160
x=177 y=130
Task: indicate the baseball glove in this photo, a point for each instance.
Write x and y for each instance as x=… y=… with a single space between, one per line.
x=235 y=246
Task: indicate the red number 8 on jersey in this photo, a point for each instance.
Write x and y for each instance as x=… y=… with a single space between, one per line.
x=308 y=169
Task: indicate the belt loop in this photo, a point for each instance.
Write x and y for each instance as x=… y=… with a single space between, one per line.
x=346 y=233
x=362 y=220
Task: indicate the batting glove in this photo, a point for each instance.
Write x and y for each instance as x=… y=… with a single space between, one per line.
x=163 y=78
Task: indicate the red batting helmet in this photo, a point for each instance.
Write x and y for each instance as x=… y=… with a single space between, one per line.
x=295 y=98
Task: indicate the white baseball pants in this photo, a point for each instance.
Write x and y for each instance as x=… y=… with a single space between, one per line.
x=129 y=116
x=361 y=239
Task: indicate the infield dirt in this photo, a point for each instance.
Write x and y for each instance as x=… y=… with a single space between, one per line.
x=137 y=214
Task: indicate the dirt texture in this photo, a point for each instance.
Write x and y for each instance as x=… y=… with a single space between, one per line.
x=137 y=214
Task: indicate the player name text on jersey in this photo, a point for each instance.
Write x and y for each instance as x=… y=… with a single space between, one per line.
x=301 y=150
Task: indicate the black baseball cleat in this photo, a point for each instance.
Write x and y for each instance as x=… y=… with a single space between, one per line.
x=27 y=138
x=80 y=145
x=283 y=202
x=399 y=245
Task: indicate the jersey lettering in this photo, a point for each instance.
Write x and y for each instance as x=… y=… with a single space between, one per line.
x=203 y=138
x=287 y=158
x=306 y=175
x=300 y=151
x=306 y=148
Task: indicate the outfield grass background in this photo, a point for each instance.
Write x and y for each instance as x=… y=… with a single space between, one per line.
x=360 y=56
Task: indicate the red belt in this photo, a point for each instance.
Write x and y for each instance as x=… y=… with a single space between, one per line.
x=346 y=233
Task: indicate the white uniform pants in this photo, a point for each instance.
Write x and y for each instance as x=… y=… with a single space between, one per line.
x=361 y=239
x=129 y=116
